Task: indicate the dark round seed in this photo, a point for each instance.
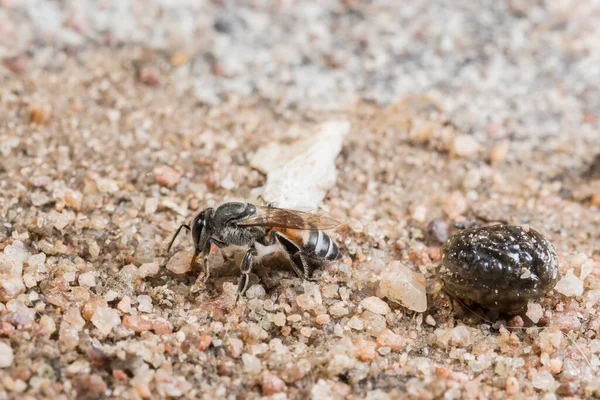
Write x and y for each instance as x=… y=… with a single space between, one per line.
x=500 y=267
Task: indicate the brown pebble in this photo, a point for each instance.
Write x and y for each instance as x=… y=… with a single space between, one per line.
x=166 y=176
x=16 y=65
x=119 y=375
x=271 y=384
x=90 y=306
x=161 y=326
x=499 y=152
x=149 y=76
x=596 y=199
x=225 y=369
x=204 y=342
x=364 y=349
x=137 y=323
x=39 y=115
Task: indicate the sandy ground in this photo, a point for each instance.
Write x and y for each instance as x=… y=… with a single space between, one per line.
x=121 y=120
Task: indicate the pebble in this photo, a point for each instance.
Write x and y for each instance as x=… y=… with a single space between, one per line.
x=512 y=385
x=402 y=285
x=376 y=305
x=534 y=312
x=235 y=347
x=68 y=335
x=149 y=75
x=73 y=199
x=144 y=303
x=543 y=380
x=148 y=269
x=125 y=304
x=278 y=319
x=340 y=364
x=271 y=384
x=251 y=363
x=11 y=271
x=106 y=185
x=455 y=205
x=6 y=355
x=499 y=152
x=301 y=173
x=569 y=285
x=595 y=201
x=87 y=279
x=161 y=326
x=150 y=206
x=338 y=309
x=180 y=262
x=365 y=350
x=48 y=324
x=464 y=146
x=374 y=323
x=438 y=231
x=137 y=323
x=105 y=319
x=429 y=320
x=73 y=317
x=387 y=338
x=355 y=323
x=419 y=213
x=204 y=342
x=166 y=176
x=323 y=319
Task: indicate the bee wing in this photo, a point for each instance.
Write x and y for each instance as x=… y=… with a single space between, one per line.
x=289 y=219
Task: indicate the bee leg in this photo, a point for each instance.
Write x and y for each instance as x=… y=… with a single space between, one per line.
x=294 y=253
x=206 y=269
x=246 y=268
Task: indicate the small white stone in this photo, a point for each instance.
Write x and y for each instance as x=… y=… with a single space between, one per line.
x=144 y=303
x=376 y=305
x=569 y=285
x=403 y=285
x=150 y=206
x=543 y=380
x=125 y=304
x=301 y=173
x=48 y=324
x=356 y=323
x=534 y=312
x=87 y=279
x=429 y=320
x=148 y=269
x=419 y=213
x=106 y=185
x=6 y=355
x=586 y=268
x=251 y=363
x=180 y=263
x=105 y=319
x=464 y=146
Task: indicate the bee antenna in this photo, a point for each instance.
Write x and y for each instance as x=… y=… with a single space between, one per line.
x=176 y=234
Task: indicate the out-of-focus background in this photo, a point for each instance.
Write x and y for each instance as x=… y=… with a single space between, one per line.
x=120 y=120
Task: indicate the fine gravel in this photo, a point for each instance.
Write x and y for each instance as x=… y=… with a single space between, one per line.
x=121 y=120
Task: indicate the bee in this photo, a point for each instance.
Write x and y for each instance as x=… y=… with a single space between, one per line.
x=298 y=234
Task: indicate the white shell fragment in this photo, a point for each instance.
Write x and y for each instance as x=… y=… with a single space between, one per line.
x=301 y=173
x=402 y=285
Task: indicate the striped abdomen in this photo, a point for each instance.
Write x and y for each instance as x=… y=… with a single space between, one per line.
x=315 y=243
